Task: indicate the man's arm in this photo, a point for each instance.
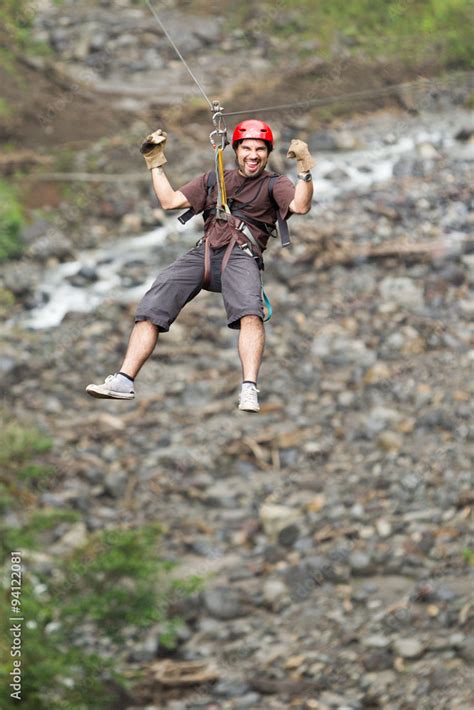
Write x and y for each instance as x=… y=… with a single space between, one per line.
x=301 y=203
x=169 y=199
x=152 y=150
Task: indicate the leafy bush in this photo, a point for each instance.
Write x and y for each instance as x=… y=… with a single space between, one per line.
x=11 y=222
x=115 y=581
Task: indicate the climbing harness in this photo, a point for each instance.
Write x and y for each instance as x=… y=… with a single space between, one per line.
x=226 y=209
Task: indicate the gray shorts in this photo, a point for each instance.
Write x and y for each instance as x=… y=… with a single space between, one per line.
x=240 y=285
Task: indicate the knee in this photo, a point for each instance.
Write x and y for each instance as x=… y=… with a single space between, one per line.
x=251 y=321
x=146 y=326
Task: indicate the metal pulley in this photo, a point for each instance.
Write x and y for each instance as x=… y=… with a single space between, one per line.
x=218 y=136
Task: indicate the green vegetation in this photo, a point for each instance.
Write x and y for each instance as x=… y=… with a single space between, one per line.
x=468 y=556
x=36 y=534
x=5 y=110
x=115 y=581
x=11 y=222
x=411 y=30
x=20 y=473
x=18 y=444
x=116 y=585
x=7 y=301
x=16 y=21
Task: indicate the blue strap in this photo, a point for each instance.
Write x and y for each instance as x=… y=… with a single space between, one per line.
x=268 y=305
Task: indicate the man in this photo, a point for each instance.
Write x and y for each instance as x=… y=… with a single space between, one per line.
x=228 y=258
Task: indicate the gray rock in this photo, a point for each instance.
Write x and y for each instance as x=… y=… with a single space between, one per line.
x=274 y=553
x=453 y=274
x=322 y=140
x=34 y=231
x=288 y=536
x=466 y=650
x=319 y=568
x=345 y=140
x=340 y=348
x=341 y=702
x=402 y=291
x=248 y=701
x=97 y=41
x=336 y=174
x=7 y=364
x=390 y=441
x=75 y=537
x=275 y=518
x=427 y=151
x=380 y=660
x=468 y=261
x=274 y=591
x=408 y=647
x=147 y=649
x=376 y=641
x=222 y=603
x=410 y=167
x=230 y=688
x=86 y=275
x=360 y=563
x=379 y=417
x=116 y=483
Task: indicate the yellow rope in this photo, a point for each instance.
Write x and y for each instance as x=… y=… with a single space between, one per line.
x=220 y=176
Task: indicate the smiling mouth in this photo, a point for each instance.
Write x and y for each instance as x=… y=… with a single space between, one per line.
x=252 y=165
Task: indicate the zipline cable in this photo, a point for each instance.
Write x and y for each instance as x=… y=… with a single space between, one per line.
x=170 y=39
x=366 y=93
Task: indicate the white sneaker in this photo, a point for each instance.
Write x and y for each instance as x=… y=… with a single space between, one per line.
x=248 y=400
x=114 y=387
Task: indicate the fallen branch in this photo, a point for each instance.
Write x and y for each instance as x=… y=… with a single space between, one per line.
x=183 y=673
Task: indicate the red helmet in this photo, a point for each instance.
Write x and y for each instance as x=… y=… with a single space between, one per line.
x=253 y=129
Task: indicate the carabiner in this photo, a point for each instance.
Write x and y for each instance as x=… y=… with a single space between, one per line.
x=219 y=126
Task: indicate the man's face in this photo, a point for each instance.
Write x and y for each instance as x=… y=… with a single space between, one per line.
x=251 y=156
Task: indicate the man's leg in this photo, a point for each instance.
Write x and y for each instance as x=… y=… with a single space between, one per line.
x=251 y=346
x=242 y=293
x=175 y=286
x=140 y=346
x=142 y=342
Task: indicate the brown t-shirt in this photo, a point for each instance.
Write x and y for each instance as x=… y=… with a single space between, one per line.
x=243 y=190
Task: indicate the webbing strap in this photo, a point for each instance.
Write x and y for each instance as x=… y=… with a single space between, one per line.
x=283 y=229
x=268 y=305
x=266 y=300
x=282 y=223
